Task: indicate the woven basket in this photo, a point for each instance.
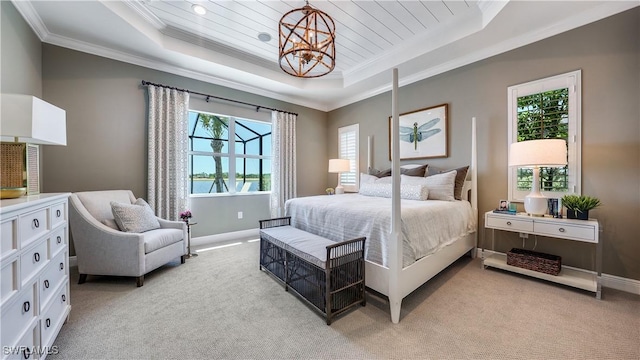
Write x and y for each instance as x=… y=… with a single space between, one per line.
x=536 y=261
x=11 y=164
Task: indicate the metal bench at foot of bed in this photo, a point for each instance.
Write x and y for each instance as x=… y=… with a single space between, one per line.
x=303 y=262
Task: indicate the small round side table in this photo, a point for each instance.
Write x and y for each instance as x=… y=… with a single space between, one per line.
x=189 y=225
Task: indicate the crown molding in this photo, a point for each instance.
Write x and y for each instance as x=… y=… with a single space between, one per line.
x=32 y=18
x=176 y=70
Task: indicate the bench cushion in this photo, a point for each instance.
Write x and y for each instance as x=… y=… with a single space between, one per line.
x=310 y=247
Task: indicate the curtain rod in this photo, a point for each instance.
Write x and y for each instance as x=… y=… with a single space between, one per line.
x=207 y=96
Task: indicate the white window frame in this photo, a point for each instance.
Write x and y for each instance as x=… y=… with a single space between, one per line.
x=571 y=80
x=351 y=179
x=231 y=155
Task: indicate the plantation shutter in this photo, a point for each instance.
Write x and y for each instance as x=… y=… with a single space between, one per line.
x=348 y=149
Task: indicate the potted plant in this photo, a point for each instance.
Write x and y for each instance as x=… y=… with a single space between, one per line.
x=578 y=206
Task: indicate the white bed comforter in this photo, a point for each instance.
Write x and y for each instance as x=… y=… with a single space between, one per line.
x=427 y=226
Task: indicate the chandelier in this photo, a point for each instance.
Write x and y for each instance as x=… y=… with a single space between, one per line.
x=307 y=42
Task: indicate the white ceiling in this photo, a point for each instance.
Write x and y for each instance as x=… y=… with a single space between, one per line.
x=420 y=38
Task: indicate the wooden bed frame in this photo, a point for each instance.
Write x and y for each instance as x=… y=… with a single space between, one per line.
x=395 y=281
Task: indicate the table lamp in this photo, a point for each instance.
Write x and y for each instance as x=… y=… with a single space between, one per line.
x=536 y=154
x=25 y=123
x=339 y=166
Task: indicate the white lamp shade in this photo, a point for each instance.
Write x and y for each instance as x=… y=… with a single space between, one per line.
x=27 y=119
x=543 y=153
x=339 y=165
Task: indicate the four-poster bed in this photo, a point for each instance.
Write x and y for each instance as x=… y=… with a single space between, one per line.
x=391 y=275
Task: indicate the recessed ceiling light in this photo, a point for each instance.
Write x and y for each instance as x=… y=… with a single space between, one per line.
x=198 y=9
x=264 y=37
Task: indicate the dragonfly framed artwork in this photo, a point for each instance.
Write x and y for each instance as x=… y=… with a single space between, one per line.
x=423 y=133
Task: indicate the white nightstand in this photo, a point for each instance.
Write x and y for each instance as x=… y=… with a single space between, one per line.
x=569 y=229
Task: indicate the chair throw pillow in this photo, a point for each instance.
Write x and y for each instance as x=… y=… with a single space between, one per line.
x=136 y=218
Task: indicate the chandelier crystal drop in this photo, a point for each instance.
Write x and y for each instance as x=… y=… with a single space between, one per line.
x=307 y=42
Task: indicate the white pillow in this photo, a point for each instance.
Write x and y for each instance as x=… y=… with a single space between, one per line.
x=372 y=179
x=367 y=179
x=440 y=186
x=407 y=191
x=137 y=217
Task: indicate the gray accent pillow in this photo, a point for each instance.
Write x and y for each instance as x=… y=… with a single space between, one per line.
x=379 y=173
x=419 y=170
x=461 y=176
x=137 y=217
x=111 y=223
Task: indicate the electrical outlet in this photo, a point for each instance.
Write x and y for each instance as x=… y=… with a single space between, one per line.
x=240 y=214
x=524 y=235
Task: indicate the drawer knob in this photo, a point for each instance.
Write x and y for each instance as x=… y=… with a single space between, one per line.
x=48 y=322
x=509 y=223
x=46 y=284
x=26 y=353
x=59 y=239
x=36 y=223
x=58 y=213
x=26 y=306
x=61 y=266
x=561 y=230
x=64 y=297
x=36 y=257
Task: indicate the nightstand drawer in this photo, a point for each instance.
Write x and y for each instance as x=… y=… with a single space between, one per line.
x=567 y=231
x=509 y=224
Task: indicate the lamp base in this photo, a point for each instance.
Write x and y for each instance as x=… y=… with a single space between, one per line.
x=339 y=189
x=535 y=205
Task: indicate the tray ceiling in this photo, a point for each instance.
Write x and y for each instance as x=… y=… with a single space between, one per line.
x=420 y=38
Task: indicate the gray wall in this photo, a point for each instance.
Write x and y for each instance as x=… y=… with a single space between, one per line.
x=106 y=135
x=20 y=54
x=608 y=52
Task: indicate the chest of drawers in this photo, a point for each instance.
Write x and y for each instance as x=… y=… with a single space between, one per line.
x=34 y=262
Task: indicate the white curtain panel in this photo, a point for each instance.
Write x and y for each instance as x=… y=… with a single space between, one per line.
x=168 y=147
x=283 y=163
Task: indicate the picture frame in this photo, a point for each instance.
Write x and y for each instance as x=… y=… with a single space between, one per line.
x=423 y=133
x=503 y=205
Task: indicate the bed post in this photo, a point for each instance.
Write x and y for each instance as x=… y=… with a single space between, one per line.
x=395 y=251
x=474 y=182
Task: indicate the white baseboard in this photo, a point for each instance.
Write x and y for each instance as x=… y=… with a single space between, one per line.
x=609 y=281
x=226 y=237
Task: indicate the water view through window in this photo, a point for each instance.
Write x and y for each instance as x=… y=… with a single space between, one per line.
x=228 y=154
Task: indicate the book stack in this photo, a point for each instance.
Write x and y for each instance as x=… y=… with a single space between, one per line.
x=505 y=211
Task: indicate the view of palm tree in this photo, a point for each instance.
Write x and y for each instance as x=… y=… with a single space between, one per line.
x=217 y=142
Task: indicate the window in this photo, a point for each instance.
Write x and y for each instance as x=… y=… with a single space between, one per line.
x=228 y=154
x=547 y=109
x=348 y=149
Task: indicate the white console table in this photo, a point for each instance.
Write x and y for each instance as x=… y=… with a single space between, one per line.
x=569 y=229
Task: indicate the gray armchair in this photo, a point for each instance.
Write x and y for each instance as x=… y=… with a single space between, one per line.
x=102 y=249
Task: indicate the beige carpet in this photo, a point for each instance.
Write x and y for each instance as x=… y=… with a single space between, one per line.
x=220 y=305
